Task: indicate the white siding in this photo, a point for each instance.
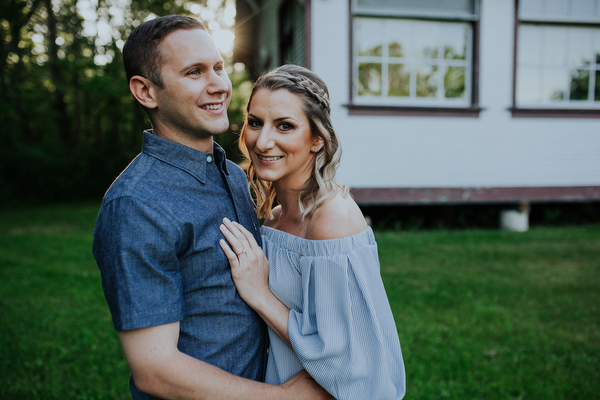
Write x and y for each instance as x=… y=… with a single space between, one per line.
x=493 y=150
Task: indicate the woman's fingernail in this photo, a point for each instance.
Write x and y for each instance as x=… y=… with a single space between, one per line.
x=226 y=220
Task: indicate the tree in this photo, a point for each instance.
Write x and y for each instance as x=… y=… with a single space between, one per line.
x=69 y=123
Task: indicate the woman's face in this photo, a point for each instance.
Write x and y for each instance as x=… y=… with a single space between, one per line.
x=281 y=145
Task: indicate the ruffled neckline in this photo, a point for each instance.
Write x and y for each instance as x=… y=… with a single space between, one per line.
x=311 y=247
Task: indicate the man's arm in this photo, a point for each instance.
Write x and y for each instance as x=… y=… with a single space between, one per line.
x=160 y=369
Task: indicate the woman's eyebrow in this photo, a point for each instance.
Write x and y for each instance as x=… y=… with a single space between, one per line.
x=284 y=118
x=250 y=115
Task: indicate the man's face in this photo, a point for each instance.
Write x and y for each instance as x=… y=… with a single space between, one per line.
x=192 y=105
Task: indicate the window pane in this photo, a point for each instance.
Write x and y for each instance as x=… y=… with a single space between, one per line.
x=529 y=85
x=555 y=46
x=452 y=7
x=406 y=60
x=395 y=49
x=531 y=7
x=370 y=38
x=566 y=66
x=580 y=43
x=530 y=48
x=399 y=81
x=454 y=82
x=369 y=79
x=554 y=86
x=557 y=7
x=580 y=84
x=597 y=90
x=596 y=49
x=427 y=81
x=426 y=39
x=399 y=37
x=582 y=8
x=455 y=41
x=560 y=10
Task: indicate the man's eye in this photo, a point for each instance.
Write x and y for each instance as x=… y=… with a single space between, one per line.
x=194 y=72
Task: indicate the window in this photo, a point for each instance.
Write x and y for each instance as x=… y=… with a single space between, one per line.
x=558 y=55
x=414 y=53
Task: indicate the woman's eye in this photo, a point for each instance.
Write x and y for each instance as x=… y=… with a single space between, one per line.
x=253 y=123
x=194 y=72
x=286 y=126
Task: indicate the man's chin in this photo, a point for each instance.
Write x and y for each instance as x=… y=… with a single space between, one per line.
x=217 y=130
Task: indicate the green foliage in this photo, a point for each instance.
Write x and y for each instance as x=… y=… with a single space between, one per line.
x=242 y=87
x=480 y=314
x=69 y=123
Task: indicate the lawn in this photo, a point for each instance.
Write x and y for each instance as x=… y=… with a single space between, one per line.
x=481 y=314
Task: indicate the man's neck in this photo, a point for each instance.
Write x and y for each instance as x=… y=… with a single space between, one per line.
x=205 y=145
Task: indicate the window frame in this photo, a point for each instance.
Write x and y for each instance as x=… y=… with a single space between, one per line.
x=545 y=111
x=472 y=110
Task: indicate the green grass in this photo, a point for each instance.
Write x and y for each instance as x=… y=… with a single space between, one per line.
x=481 y=314
x=497 y=315
x=57 y=340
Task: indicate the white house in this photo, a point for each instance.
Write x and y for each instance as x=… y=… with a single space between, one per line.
x=447 y=101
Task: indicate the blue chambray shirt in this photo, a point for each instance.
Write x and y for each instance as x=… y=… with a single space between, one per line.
x=156 y=244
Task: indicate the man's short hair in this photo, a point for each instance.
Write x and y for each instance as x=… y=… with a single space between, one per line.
x=142 y=53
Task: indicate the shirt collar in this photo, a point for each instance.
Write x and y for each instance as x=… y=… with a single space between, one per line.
x=190 y=160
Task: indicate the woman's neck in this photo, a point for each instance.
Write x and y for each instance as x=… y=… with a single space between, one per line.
x=289 y=219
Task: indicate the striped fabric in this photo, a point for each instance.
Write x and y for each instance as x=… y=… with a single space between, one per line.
x=340 y=324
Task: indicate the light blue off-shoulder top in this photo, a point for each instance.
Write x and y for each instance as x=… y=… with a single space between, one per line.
x=340 y=323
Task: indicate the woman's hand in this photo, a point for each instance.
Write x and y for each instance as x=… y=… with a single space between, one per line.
x=249 y=265
x=250 y=272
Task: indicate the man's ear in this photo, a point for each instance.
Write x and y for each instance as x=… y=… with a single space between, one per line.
x=144 y=91
x=317 y=145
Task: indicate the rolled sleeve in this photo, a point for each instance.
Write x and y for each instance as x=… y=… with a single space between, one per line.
x=135 y=247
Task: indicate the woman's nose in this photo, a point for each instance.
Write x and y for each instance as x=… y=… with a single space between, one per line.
x=264 y=141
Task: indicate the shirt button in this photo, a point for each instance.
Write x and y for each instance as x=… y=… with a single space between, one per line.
x=208 y=158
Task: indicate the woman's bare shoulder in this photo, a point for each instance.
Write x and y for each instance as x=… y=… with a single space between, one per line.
x=338 y=217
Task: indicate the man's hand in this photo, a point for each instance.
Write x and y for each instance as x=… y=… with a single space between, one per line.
x=305 y=388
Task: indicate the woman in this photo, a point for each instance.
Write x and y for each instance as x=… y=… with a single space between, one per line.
x=320 y=292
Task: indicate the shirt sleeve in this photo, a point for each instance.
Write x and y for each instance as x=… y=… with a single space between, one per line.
x=135 y=247
x=345 y=335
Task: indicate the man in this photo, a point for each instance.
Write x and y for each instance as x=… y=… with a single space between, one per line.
x=184 y=330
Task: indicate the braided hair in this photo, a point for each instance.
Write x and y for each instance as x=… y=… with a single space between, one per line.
x=322 y=185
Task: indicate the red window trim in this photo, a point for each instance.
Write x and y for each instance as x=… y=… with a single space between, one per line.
x=473 y=195
x=471 y=112
x=554 y=113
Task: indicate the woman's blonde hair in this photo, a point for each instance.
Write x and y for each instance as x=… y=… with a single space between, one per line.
x=322 y=185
